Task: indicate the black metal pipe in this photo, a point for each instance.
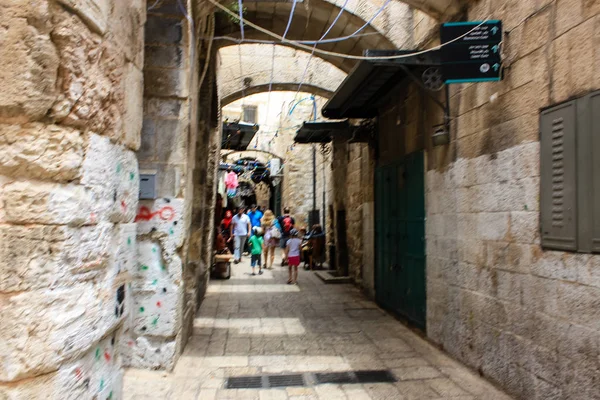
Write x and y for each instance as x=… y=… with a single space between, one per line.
x=314 y=160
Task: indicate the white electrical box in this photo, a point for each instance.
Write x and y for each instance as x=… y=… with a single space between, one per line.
x=148 y=186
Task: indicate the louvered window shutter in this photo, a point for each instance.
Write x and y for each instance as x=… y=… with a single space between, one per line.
x=594 y=130
x=558 y=177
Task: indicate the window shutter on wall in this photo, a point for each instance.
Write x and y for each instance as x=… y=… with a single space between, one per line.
x=558 y=177
x=594 y=131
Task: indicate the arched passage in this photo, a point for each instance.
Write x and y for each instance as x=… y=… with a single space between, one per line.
x=255 y=75
x=391 y=29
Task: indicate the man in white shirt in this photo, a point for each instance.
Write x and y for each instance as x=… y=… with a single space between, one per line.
x=240 y=229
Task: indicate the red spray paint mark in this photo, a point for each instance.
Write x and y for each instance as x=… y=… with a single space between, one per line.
x=78 y=373
x=107 y=356
x=123 y=205
x=166 y=213
x=158 y=304
x=130 y=343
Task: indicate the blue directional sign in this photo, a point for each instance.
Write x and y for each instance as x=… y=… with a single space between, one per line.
x=471 y=51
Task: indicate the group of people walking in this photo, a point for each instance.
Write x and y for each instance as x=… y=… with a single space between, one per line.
x=262 y=233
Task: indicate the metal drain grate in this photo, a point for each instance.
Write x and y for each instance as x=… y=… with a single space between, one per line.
x=285 y=380
x=278 y=381
x=335 y=377
x=244 y=382
x=374 y=376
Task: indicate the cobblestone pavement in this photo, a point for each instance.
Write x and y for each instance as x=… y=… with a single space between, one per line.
x=253 y=325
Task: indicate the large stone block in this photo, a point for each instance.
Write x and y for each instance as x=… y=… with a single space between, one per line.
x=150 y=353
x=163 y=219
x=97 y=374
x=524 y=227
x=126 y=27
x=93 y=12
x=36 y=257
x=133 y=113
x=44 y=203
x=158 y=288
x=43 y=329
x=580 y=303
x=583 y=41
x=29 y=62
x=569 y=13
x=92 y=76
x=110 y=172
x=164 y=30
x=493 y=226
x=40 y=151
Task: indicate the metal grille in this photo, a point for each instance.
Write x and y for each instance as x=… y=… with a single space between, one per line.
x=278 y=381
x=285 y=380
x=244 y=382
x=374 y=376
x=558 y=171
x=335 y=377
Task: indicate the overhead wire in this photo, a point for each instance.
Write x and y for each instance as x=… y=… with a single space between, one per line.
x=241 y=11
x=341 y=55
x=289 y=23
x=153 y=5
x=315 y=46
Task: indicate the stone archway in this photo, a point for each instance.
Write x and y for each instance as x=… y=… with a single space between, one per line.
x=254 y=74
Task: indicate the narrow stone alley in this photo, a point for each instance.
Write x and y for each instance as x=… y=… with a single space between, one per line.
x=259 y=325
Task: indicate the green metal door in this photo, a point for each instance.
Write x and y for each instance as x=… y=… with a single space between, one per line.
x=400 y=238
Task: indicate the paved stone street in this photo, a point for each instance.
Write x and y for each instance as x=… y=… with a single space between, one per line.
x=259 y=325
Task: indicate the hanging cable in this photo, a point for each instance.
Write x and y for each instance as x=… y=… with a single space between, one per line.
x=289 y=23
x=153 y=5
x=241 y=11
x=341 y=55
x=358 y=30
x=307 y=42
x=315 y=46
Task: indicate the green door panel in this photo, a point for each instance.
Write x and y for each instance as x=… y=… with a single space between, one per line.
x=400 y=237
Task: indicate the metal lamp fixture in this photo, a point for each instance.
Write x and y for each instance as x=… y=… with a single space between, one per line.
x=440 y=137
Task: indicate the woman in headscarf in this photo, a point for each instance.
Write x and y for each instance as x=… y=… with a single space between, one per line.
x=271 y=237
x=225 y=231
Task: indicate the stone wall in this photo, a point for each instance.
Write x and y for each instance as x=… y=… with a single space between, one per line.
x=171 y=263
x=70 y=121
x=353 y=199
x=525 y=317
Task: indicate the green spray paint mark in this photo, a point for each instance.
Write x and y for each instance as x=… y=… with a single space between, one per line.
x=154 y=282
x=131 y=176
x=162 y=266
x=144 y=267
x=171 y=231
x=118 y=168
x=129 y=241
x=155 y=321
x=525 y=207
x=142 y=309
x=101 y=384
x=97 y=354
x=154 y=249
x=110 y=395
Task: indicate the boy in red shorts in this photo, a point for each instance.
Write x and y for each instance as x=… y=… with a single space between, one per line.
x=292 y=254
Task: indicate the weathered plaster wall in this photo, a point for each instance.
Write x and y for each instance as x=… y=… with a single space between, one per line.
x=70 y=121
x=169 y=255
x=525 y=317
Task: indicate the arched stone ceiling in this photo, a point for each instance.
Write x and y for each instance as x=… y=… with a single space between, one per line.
x=391 y=29
x=321 y=78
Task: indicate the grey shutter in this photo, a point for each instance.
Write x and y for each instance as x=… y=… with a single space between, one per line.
x=594 y=132
x=558 y=177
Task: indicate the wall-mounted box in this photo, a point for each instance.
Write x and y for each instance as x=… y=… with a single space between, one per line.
x=148 y=185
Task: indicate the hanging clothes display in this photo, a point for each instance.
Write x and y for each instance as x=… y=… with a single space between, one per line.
x=231 y=182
